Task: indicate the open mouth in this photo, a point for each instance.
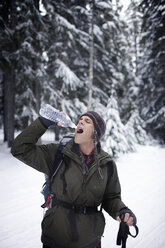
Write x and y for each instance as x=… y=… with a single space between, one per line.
x=80 y=130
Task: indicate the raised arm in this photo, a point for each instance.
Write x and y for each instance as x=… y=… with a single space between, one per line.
x=24 y=148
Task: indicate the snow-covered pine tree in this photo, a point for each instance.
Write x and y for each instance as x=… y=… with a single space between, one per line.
x=103 y=64
x=135 y=127
x=29 y=66
x=113 y=67
x=117 y=138
x=134 y=20
x=151 y=68
x=67 y=54
x=128 y=91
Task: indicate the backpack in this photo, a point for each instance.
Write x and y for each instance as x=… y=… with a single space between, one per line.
x=56 y=165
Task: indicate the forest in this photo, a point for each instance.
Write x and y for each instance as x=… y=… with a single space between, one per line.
x=79 y=55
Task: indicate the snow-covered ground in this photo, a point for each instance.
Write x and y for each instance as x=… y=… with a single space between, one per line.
x=142 y=177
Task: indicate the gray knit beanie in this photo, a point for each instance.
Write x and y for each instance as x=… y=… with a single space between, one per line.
x=99 y=123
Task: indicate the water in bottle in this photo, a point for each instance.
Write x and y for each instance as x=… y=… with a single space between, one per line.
x=55 y=115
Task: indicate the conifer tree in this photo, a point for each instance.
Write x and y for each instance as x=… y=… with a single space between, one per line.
x=135 y=127
x=151 y=68
x=7 y=79
x=113 y=67
x=117 y=137
x=67 y=54
x=30 y=38
x=134 y=21
x=22 y=67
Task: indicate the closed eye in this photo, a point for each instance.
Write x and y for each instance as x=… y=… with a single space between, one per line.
x=86 y=119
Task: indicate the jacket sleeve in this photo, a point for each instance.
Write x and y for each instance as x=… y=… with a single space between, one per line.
x=24 y=148
x=112 y=202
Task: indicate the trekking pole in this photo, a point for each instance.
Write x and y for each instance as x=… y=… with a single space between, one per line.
x=124 y=232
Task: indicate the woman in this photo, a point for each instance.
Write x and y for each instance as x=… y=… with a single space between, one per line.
x=86 y=179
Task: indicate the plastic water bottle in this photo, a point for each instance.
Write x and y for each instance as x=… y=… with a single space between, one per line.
x=55 y=115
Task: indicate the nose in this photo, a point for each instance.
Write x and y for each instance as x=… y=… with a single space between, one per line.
x=81 y=121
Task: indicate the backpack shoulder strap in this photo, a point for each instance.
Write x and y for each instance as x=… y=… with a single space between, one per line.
x=59 y=156
x=58 y=159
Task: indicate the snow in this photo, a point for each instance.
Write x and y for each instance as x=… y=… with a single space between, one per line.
x=69 y=76
x=63 y=22
x=42 y=9
x=104 y=5
x=142 y=179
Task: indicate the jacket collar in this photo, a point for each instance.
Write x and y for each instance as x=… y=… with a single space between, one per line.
x=72 y=151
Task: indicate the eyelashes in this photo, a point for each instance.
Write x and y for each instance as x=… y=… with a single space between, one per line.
x=86 y=120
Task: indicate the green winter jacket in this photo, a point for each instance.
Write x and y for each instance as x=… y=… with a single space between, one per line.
x=56 y=228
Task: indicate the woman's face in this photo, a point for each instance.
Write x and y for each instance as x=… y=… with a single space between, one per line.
x=84 y=131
